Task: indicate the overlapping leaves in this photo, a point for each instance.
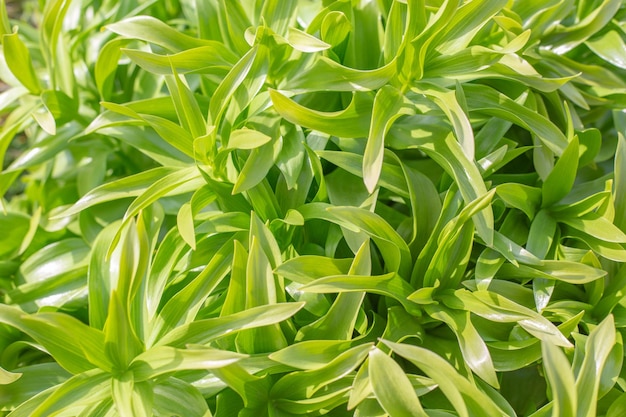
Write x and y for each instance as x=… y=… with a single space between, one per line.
x=308 y=208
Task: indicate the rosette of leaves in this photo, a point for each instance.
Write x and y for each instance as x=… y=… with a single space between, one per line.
x=287 y=208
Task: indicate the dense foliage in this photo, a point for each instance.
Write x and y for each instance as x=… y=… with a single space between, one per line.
x=313 y=207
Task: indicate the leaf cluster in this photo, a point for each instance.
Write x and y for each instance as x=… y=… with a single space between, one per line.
x=313 y=207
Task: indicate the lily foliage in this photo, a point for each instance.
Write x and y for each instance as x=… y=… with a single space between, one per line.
x=313 y=207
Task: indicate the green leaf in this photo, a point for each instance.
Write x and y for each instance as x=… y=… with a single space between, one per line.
x=131 y=186
x=303 y=42
x=391 y=176
x=449 y=155
x=561 y=379
x=247 y=139
x=74 y=345
x=561 y=179
x=19 y=62
x=204 y=331
x=83 y=389
x=7 y=377
x=497 y=308
x=175 y=396
x=596 y=226
x=327 y=75
x=567 y=271
x=187 y=108
x=106 y=66
x=121 y=343
x=29 y=382
x=566 y=38
x=45 y=149
x=183 y=307
x=472 y=346
x=464 y=396
x=597 y=349
x=340 y=320
x=619 y=191
x=335 y=28
x=16 y=225
x=395 y=250
x=465 y=24
x=261 y=289
x=352 y=122
x=128 y=398
x=247 y=75
x=306 y=268
x=52 y=273
x=185 y=223
x=162 y=360
x=611 y=47
x=390 y=285
x=304 y=384
x=257 y=165
x=211 y=58
x=392 y=388
x=388 y=106
x=310 y=354
x=520 y=196
x=447 y=101
x=481 y=98
x=5 y=26
x=152 y=30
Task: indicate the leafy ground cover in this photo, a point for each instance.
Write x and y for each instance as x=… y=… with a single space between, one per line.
x=281 y=208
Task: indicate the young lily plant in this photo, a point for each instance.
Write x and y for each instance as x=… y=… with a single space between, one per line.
x=313 y=208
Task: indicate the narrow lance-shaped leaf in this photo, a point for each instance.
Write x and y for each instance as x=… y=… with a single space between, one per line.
x=183 y=307
x=464 y=396
x=465 y=24
x=390 y=285
x=565 y=38
x=449 y=155
x=561 y=179
x=74 y=345
x=394 y=248
x=212 y=58
x=257 y=165
x=352 y=122
x=152 y=30
x=388 y=106
x=392 y=388
x=610 y=47
x=497 y=308
x=260 y=290
x=128 y=401
x=5 y=26
x=187 y=107
x=304 y=384
x=540 y=240
x=229 y=84
x=327 y=75
x=86 y=388
x=19 y=62
x=561 y=378
x=446 y=100
x=481 y=98
x=204 y=331
x=472 y=345
x=162 y=360
x=619 y=193
x=7 y=377
x=121 y=343
x=339 y=321
x=597 y=349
